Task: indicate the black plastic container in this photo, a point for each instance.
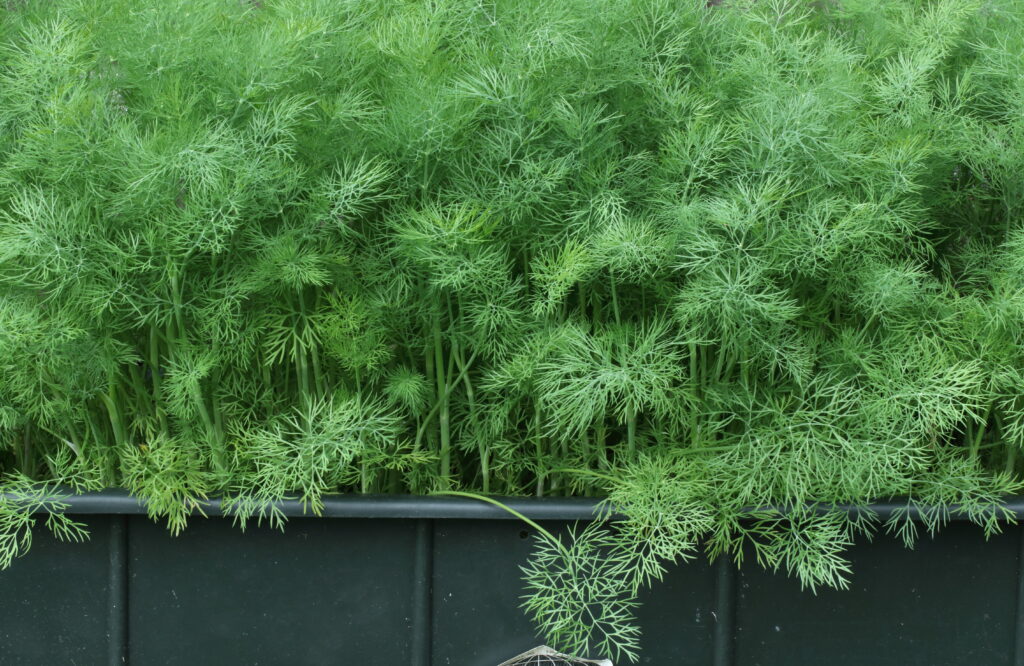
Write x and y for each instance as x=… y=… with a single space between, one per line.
x=395 y=581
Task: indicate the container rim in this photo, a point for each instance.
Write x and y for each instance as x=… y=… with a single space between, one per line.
x=121 y=502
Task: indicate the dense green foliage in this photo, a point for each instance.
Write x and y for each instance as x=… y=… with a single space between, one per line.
x=697 y=259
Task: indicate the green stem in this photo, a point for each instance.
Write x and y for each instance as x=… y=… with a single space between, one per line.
x=547 y=535
x=27 y=465
x=154 y=370
x=442 y=397
x=601 y=435
x=538 y=448
x=470 y=396
x=976 y=441
x=113 y=413
x=437 y=405
x=704 y=449
x=631 y=433
x=745 y=375
x=220 y=441
x=302 y=378
x=216 y=445
x=143 y=405
x=1011 y=447
x=268 y=394
x=176 y=299
x=318 y=378
x=364 y=465
x=303 y=364
x=585 y=447
x=615 y=302
x=586 y=472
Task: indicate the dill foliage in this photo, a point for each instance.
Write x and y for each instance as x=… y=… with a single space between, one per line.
x=696 y=259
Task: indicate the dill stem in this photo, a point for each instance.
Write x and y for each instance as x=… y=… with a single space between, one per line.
x=976 y=440
x=696 y=379
x=437 y=404
x=470 y=397
x=588 y=488
x=428 y=355
x=719 y=364
x=417 y=444
x=179 y=316
x=425 y=181
x=602 y=446
x=113 y=413
x=154 y=370
x=1011 y=447
x=93 y=429
x=564 y=452
x=220 y=448
x=694 y=367
x=204 y=414
x=302 y=377
x=546 y=534
x=26 y=451
x=615 y=302
x=170 y=338
x=318 y=379
x=442 y=397
x=314 y=363
x=586 y=472
x=730 y=365
x=141 y=403
x=538 y=448
x=631 y=433
x=110 y=402
x=705 y=449
x=74 y=440
x=364 y=466
x=267 y=383
x=301 y=364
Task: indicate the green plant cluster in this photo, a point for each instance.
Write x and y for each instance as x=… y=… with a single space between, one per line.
x=699 y=259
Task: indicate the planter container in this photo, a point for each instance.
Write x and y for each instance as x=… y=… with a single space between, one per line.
x=394 y=581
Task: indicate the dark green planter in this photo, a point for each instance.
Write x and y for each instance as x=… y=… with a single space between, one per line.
x=392 y=581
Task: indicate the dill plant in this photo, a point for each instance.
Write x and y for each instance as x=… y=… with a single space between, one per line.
x=728 y=266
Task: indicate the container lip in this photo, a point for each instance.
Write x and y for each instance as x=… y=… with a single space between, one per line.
x=120 y=502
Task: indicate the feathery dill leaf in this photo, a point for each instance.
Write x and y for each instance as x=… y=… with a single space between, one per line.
x=700 y=260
